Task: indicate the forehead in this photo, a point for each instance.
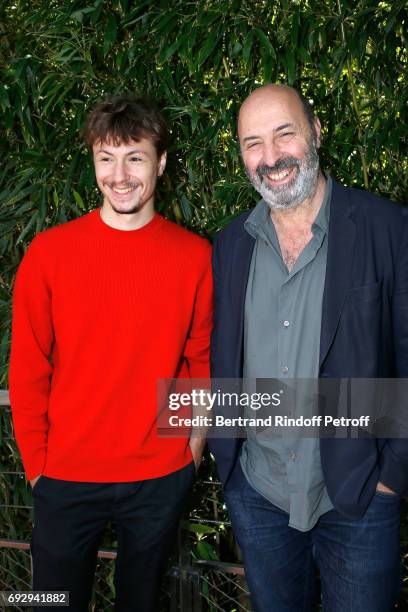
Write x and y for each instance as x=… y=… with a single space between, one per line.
x=143 y=145
x=265 y=111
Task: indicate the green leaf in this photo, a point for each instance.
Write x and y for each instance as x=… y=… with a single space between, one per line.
x=27 y=227
x=79 y=15
x=42 y=210
x=194 y=120
x=265 y=43
x=236 y=49
x=166 y=23
x=267 y=61
x=304 y=54
x=78 y=199
x=198 y=528
x=19 y=195
x=246 y=49
x=120 y=60
x=186 y=208
x=390 y=24
x=291 y=66
x=205 y=551
x=4 y=97
x=207 y=48
x=294 y=30
x=110 y=33
x=207 y=18
x=169 y=51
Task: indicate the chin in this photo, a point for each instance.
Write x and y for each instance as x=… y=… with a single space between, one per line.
x=131 y=210
x=279 y=199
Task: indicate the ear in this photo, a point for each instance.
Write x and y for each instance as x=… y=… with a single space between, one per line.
x=317 y=131
x=162 y=163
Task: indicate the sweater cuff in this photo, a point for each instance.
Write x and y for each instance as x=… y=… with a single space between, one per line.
x=34 y=465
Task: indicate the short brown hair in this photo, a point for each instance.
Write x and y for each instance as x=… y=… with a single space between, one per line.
x=120 y=119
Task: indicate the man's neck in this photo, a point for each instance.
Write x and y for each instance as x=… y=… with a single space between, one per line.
x=303 y=215
x=126 y=222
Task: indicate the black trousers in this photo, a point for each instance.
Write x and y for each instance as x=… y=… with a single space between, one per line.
x=69 y=518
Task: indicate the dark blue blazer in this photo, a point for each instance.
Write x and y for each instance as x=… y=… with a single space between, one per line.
x=364 y=332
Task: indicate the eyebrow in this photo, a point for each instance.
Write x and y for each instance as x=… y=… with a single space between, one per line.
x=278 y=129
x=283 y=127
x=138 y=151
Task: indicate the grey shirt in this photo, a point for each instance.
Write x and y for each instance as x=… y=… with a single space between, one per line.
x=283 y=313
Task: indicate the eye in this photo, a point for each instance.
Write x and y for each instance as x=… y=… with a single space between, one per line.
x=285 y=134
x=252 y=145
x=134 y=158
x=104 y=159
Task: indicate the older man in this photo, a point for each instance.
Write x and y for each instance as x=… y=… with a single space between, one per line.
x=311 y=283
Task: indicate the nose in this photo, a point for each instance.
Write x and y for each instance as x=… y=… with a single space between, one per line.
x=271 y=153
x=120 y=174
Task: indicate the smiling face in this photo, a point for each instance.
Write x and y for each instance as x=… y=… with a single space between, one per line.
x=278 y=146
x=126 y=175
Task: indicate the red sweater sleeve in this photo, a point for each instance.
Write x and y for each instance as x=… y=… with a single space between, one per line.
x=30 y=365
x=197 y=347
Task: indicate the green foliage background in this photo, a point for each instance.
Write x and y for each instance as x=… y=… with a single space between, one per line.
x=199 y=59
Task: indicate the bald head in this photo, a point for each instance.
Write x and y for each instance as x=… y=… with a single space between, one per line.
x=272 y=94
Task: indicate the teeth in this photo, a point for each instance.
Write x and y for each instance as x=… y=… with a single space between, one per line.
x=122 y=189
x=278 y=176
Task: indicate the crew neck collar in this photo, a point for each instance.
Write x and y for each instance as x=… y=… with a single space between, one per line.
x=149 y=227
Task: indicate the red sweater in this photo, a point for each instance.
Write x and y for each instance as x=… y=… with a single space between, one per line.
x=99 y=315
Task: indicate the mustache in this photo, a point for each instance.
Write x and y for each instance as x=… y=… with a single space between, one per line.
x=127 y=185
x=281 y=164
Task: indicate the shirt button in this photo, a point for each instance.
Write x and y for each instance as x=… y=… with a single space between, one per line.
x=285 y=369
x=286 y=323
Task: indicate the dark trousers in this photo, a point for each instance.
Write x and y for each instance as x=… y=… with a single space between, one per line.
x=359 y=560
x=69 y=518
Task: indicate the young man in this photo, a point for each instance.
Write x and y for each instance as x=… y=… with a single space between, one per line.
x=103 y=307
x=322 y=291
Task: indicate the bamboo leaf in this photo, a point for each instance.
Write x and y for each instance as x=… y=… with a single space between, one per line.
x=246 y=49
x=169 y=51
x=27 y=227
x=186 y=208
x=207 y=48
x=265 y=43
x=110 y=33
x=4 y=97
x=206 y=551
x=79 y=15
x=198 y=528
x=291 y=66
x=78 y=199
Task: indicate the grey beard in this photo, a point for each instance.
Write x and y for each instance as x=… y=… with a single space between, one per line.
x=300 y=189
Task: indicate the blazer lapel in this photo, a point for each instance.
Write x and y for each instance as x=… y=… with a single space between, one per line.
x=342 y=233
x=241 y=262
